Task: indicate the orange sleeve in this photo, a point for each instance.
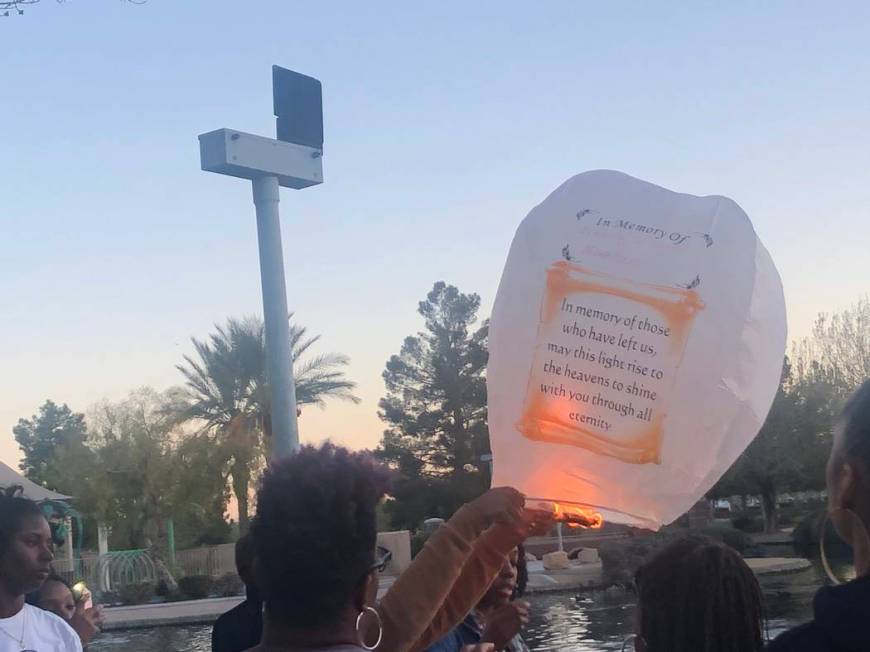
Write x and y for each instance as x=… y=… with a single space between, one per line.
x=478 y=573
x=414 y=599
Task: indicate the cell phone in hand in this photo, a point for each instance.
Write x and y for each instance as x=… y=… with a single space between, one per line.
x=82 y=594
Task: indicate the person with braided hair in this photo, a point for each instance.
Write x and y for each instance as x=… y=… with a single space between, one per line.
x=26 y=553
x=698 y=595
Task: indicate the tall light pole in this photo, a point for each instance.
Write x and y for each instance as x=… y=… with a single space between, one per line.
x=293 y=160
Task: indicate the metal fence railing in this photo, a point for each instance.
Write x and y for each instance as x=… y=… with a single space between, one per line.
x=110 y=571
x=120 y=568
x=214 y=561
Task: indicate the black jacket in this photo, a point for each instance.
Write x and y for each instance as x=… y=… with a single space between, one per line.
x=841 y=623
x=240 y=628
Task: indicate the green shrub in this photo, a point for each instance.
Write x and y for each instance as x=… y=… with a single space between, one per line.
x=138 y=593
x=108 y=598
x=740 y=541
x=418 y=540
x=174 y=596
x=162 y=589
x=750 y=524
x=621 y=559
x=792 y=515
x=229 y=585
x=806 y=535
x=196 y=587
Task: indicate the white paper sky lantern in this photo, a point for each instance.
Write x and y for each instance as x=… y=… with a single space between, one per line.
x=636 y=345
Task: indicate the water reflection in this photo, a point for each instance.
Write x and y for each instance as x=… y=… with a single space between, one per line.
x=560 y=622
x=563 y=622
x=581 y=623
x=192 y=638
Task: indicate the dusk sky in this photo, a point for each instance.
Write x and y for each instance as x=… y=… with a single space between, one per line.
x=445 y=123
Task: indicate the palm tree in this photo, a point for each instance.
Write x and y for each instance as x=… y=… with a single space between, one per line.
x=228 y=392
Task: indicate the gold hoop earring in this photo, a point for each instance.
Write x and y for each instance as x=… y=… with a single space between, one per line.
x=859 y=543
x=634 y=642
x=361 y=635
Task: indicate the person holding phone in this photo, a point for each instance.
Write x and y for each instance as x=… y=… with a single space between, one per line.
x=498 y=616
x=56 y=596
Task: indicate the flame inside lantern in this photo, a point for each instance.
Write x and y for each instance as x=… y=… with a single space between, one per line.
x=570 y=514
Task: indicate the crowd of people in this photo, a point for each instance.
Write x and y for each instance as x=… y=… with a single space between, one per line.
x=311 y=567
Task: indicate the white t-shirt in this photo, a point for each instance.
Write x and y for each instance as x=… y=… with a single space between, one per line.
x=40 y=631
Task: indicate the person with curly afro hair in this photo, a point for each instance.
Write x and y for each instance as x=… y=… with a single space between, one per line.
x=316 y=562
x=315 y=549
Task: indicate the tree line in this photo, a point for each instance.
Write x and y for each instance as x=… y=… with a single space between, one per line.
x=435 y=410
x=819 y=374
x=180 y=453
x=184 y=452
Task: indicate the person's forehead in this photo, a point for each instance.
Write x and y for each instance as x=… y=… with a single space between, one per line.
x=35 y=524
x=55 y=589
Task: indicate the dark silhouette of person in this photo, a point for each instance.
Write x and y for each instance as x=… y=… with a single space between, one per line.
x=241 y=627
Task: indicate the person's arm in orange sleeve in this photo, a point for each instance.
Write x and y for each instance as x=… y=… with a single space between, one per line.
x=479 y=571
x=414 y=599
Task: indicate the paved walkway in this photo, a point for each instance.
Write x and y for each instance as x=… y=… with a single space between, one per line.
x=777 y=565
x=578 y=576
x=188 y=612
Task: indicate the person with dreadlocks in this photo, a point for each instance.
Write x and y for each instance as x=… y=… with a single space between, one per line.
x=698 y=595
x=26 y=553
x=841 y=622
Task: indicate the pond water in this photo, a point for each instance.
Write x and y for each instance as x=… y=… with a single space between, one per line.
x=561 y=622
x=595 y=622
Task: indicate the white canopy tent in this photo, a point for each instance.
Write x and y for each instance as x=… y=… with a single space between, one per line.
x=10 y=477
